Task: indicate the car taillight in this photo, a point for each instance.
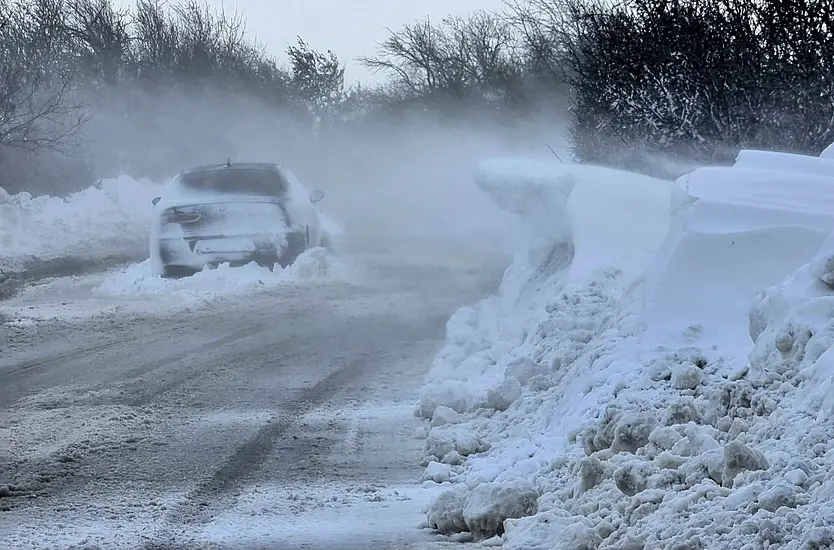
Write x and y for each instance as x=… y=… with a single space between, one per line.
x=180 y=215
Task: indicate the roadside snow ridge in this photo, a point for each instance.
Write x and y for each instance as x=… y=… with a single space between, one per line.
x=110 y=218
x=674 y=395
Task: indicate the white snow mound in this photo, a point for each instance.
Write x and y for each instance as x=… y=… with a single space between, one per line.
x=791 y=325
x=591 y=231
x=647 y=394
x=110 y=218
x=137 y=280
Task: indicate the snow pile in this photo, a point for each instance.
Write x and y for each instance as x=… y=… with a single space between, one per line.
x=110 y=218
x=589 y=231
x=619 y=402
x=791 y=324
x=137 y=280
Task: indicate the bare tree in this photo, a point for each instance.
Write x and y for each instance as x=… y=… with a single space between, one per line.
x=316 y=87
x=413 y=56
x=487 y=50
x=460 y=57
x=318 y=79
x=156 y=40
x=101 y=36
x=36 y=106
x=548 y=30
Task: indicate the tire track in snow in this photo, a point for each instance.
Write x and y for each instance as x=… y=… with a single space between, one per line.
x=219 y=492
x=361 y=328
x=56 y=472
x=352 y=438
x=206 y=500
x=153 y=389
x=133 y=388
x=20 y=377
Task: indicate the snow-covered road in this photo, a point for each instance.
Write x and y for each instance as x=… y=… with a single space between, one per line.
x=653 y=371
x=279 y=418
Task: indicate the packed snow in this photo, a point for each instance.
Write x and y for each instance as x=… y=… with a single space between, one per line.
x=108 y=219
x=655 y=371
x=137 y=279
x=133 y=290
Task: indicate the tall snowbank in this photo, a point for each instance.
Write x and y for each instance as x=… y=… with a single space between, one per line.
x=110 y=218
x=589 y=232
x=590 y=406
x=791 y=324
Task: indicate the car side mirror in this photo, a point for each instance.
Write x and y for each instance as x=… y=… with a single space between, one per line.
x=156 y=200
x=316 y=196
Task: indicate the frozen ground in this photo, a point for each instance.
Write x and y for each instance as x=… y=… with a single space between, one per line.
x=133 y=290
x=219 y=412
x=238 y=408
x=654 y=371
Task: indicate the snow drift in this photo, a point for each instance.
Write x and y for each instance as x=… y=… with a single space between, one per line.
x=632 y=385
x=137 y=280
x=108 y=219
x=133 y=290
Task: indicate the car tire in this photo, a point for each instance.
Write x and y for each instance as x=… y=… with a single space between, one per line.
x=296 y=245
x=176 y=272
x=267 y=262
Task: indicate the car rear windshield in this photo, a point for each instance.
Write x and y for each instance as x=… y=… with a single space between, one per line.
x=248 y=181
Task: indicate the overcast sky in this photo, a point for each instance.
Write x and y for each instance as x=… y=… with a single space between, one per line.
x=351 y=28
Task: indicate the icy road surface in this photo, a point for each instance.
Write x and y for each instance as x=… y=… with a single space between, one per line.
x=281 y=418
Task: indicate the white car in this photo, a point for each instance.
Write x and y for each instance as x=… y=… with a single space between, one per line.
x=235 y=213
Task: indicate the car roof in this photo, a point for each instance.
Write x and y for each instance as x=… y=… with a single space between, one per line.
x=233 y=166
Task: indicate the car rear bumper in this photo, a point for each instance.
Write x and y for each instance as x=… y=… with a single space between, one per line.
x=207 y=250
